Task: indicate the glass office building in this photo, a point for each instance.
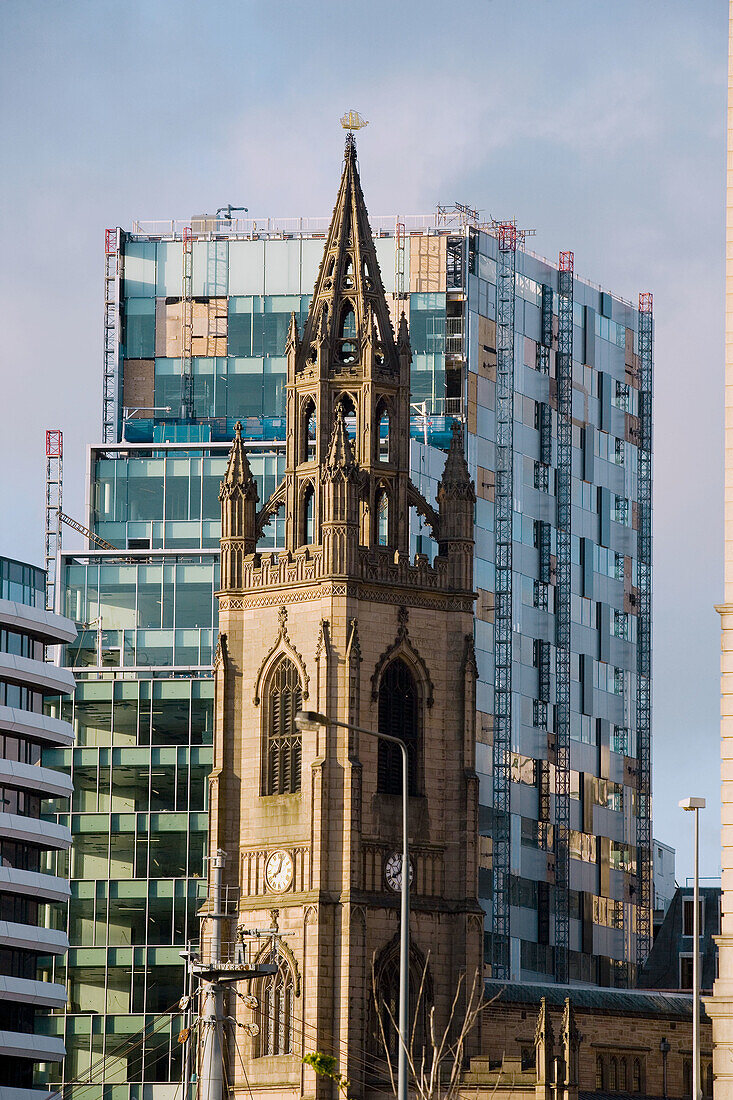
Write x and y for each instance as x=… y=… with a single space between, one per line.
x=551 y=378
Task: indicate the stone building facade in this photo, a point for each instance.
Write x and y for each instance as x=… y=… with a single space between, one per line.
x=344 y=623
x=568 y=1043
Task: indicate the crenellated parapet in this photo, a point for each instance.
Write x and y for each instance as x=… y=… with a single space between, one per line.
x=374 y=566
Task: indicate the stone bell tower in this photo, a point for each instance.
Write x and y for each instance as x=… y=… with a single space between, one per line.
x=341 y=621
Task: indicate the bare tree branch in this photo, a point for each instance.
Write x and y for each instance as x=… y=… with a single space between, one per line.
x=442 y=1049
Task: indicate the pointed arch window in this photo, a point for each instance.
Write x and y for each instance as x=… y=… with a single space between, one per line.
x=276 y=1009
x=382 y=513
x=308 y=432
x=600 y=1075
x=388 y=998
x=613 y=1075
x=347 y=335
x=309 y=516
x=399 y=717
x=622 y=1074
x=636 y=1075
x=348 y=323
x=349 y=409
x=349 y=274
x=282 y=740
x=383 y=434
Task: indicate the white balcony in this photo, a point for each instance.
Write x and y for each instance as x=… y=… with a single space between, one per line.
x=34 y=620
x=28 y=723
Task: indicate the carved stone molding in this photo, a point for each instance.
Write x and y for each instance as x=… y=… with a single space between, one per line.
x=284 y=646
x=470 y=666
x=221 y=656
x=403 y=647
x=353 y=646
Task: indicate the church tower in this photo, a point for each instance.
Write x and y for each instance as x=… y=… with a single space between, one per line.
x=341 y=621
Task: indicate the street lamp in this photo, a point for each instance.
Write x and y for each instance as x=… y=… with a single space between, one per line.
x=310 y=720
x=695 y=804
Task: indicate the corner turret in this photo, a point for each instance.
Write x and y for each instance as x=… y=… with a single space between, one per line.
x=456 y=500
x=239 y=498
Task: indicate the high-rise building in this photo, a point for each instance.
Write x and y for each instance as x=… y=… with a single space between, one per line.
x=29 y=840
x=550 y=378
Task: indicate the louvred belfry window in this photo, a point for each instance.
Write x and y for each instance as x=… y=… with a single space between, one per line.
x=398 y=716
x=284 y=700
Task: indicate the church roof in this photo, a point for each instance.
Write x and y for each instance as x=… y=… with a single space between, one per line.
x=638 y=1002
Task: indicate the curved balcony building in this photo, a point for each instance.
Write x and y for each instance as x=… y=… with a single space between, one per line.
x=27 y=893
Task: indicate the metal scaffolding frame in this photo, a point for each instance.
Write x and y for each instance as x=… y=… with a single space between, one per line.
x=399 y=263
x=111 y=339
x=54 y=491
x=545 y=341
x=187 y=409
x=562 y=614
x=644 y=632
x=504 y=506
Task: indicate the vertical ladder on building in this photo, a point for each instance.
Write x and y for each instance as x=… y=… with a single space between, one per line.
x=562 y=614
x=54 y=492
x=110 y=357
x=187 y=325
x=644 y=632
x=504 y=505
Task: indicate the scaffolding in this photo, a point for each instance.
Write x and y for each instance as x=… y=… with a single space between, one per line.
x=504 y=504
x=187 y=409
x=54 y=491
x=562 y=615
x=644 y=633
x=399 y=262
x=111 y=343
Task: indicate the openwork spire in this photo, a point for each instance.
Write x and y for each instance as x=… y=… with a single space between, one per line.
x=238 y=478
x=349 y=308
x=456 y=483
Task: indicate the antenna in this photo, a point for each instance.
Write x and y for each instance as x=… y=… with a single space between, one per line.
x=352 y=120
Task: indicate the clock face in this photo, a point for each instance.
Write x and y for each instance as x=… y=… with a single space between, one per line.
x=279 y=871
x=393 y=871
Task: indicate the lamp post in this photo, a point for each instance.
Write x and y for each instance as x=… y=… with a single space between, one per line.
x=311 y=720
x=695 y=805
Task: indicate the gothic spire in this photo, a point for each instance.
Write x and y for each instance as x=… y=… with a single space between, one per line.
x=340 y=457
x=238 y=478
x=349 y=300
x=456 y=483
x=292 y=341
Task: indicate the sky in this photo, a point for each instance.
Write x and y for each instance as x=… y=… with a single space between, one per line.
x=599 y=124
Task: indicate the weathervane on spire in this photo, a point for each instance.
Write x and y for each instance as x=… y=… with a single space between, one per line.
x=351 y=121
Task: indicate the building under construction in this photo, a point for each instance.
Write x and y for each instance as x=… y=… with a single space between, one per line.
x=551 y=379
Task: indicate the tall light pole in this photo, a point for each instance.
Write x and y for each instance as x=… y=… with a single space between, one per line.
x=311 y=720
x=695 y=804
